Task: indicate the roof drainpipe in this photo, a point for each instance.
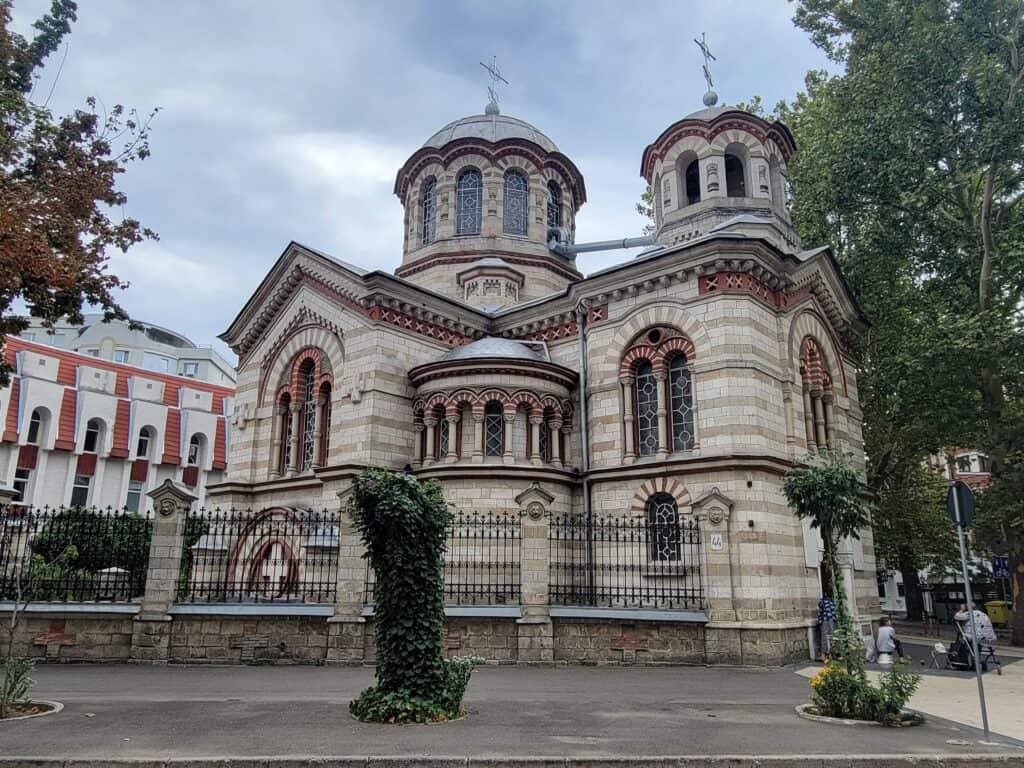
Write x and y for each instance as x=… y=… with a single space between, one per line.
x=582 y=310
x=558 y=242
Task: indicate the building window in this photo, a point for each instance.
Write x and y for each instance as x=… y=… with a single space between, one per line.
x=325 y=423
x=285 y=433
x=554 y=205
x=121 y=355
x=735 y=177
x=663 y=528
x=133 y=501
x=646 y=409
x=681 y=401
x=195 y=451
x=515 y=211
x=692 y=181
x=428 y=208
x=308 y=374
x=22 y=479
x=142 y=447
x=494 y=430
x=158 y=363
x=80 y=490
x=901 y=589
x=469 y=198
x=35 y=425
x=190 y=369
x=443 y=437
x=93 y=436
x=544 y=447
x=881 y=585
x=92 y=352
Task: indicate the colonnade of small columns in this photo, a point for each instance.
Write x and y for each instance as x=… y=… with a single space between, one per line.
x=293 y=451
x=629 y=398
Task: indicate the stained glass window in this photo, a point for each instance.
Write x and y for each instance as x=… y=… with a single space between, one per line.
x=681 y=392
x=544 y=447
x=286 y=432
x=443 y=439
x=554 y=205
x=515 y=203
x=663 y=526
x=308 y=419
x=494 y=430
x=469 y=199
x=429 y=206
x=646 y=410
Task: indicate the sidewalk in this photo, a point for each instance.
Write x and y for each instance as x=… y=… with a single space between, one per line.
x=155 y=713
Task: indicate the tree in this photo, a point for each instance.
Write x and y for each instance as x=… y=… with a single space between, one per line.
x=912 y=162
x=58 y=185
x=646 y=209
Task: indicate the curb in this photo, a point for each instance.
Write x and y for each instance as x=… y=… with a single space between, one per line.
x=56 y=707
x=937 y=760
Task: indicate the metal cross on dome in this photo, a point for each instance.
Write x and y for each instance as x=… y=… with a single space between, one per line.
x=496 y=77
x=710 y=98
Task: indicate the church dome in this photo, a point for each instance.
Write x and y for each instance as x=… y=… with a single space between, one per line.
x=495 y=346
x=492 y=128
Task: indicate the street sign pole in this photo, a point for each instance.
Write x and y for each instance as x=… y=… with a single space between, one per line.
x=970 y=609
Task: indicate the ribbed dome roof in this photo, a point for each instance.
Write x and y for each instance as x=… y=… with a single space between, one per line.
x=495 y=346
x=492 y=128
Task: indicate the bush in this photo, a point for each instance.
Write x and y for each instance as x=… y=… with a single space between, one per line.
x=838 y=692
x=403 y=524
x=16 y=683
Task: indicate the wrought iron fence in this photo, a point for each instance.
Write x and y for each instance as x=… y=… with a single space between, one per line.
x=481 y=561
x=71 y=554
x=624 y=562
x=280 y=554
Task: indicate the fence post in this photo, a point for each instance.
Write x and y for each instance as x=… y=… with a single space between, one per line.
x=151 y=629
x=347 y=627
x=535 y=630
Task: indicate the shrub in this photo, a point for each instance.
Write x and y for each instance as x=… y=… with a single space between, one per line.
x=16 y=683
x=838 y=692
x=403 y=524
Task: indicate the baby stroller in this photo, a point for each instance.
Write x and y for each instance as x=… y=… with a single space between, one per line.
x=960 y=655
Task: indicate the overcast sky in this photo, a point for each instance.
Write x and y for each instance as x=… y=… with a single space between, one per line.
x=288 y=120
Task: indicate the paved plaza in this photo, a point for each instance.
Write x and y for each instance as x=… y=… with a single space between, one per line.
x=138 y=712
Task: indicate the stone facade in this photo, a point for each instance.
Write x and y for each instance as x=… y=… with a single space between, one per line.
x=714 y=362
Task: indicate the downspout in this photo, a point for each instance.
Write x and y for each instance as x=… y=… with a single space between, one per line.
x=581 y=335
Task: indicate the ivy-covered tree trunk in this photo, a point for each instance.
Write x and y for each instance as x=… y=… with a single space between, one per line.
x=912 y=591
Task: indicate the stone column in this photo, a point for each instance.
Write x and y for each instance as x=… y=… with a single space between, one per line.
x=347 y=627
x=453 y=434
x=431 y=454
x=506 y=436
x=629 y=455
x=828 y=401
x=536 y=638
x=295 y=447
x=809 y=421
x=276 y=422
x=151 y=628
x=660 y=377
x=417 y=445
x=566 y=442
x=555 y=425
x=819 y=421
x=536 y=424
x=318 y=428
x=478 y=442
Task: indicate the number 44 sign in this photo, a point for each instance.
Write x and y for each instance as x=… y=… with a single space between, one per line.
x=717 y=542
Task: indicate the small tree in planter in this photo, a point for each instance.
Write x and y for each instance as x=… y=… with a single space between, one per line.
x=827 y=492
x=403 y=524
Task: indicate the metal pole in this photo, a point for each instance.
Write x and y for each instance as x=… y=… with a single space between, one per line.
x=970 y=612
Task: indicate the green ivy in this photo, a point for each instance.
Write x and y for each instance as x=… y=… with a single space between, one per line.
x=403 y=524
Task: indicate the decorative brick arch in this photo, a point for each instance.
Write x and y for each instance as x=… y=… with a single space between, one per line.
x=669 y=485
x=527 y=398
x=668 y=348
x=665 y=312
x=808 y=324
x=438 y=399
x=637 y=354
x=309 y=337
x=466 y=396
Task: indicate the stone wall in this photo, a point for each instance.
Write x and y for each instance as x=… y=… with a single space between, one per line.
x=248 y=640
x=603 y=641
x=73 y=638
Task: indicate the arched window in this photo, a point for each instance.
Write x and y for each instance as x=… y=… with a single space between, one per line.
x=680 y=390
x=307 y=380
x=692 y=182
x=514 y=217
x=469 y=198
x=646 y=409
x=195 y=450
x=93 y=436
x=554 y=205
x=36 y=433
x=428 y=208
x=663 y=540
x=818 y=397
x=284 y=432
x=444 y=436
x=146 y=435
x=735 y=176
x=494 y=430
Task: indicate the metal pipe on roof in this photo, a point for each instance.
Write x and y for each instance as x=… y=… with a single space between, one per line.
x=571 y=249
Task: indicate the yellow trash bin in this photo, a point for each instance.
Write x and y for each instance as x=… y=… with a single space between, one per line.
x=999 y=611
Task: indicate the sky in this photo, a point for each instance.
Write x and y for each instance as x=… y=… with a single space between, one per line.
x=284 y=121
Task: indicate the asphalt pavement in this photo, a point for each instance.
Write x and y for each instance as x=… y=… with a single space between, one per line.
x=114 y=712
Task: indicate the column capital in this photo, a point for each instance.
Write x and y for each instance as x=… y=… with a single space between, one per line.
x=628 y=380
x=295 y=407
x=452 y=418
x=430 y=421
x=509 y=417
x=419 y=427
x=537 y=419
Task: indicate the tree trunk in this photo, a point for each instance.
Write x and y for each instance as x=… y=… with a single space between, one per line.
x=912 y=592
x=1016 y=564
x=828 y=586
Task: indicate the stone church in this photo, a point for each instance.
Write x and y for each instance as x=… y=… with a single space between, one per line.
x=676 y=387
